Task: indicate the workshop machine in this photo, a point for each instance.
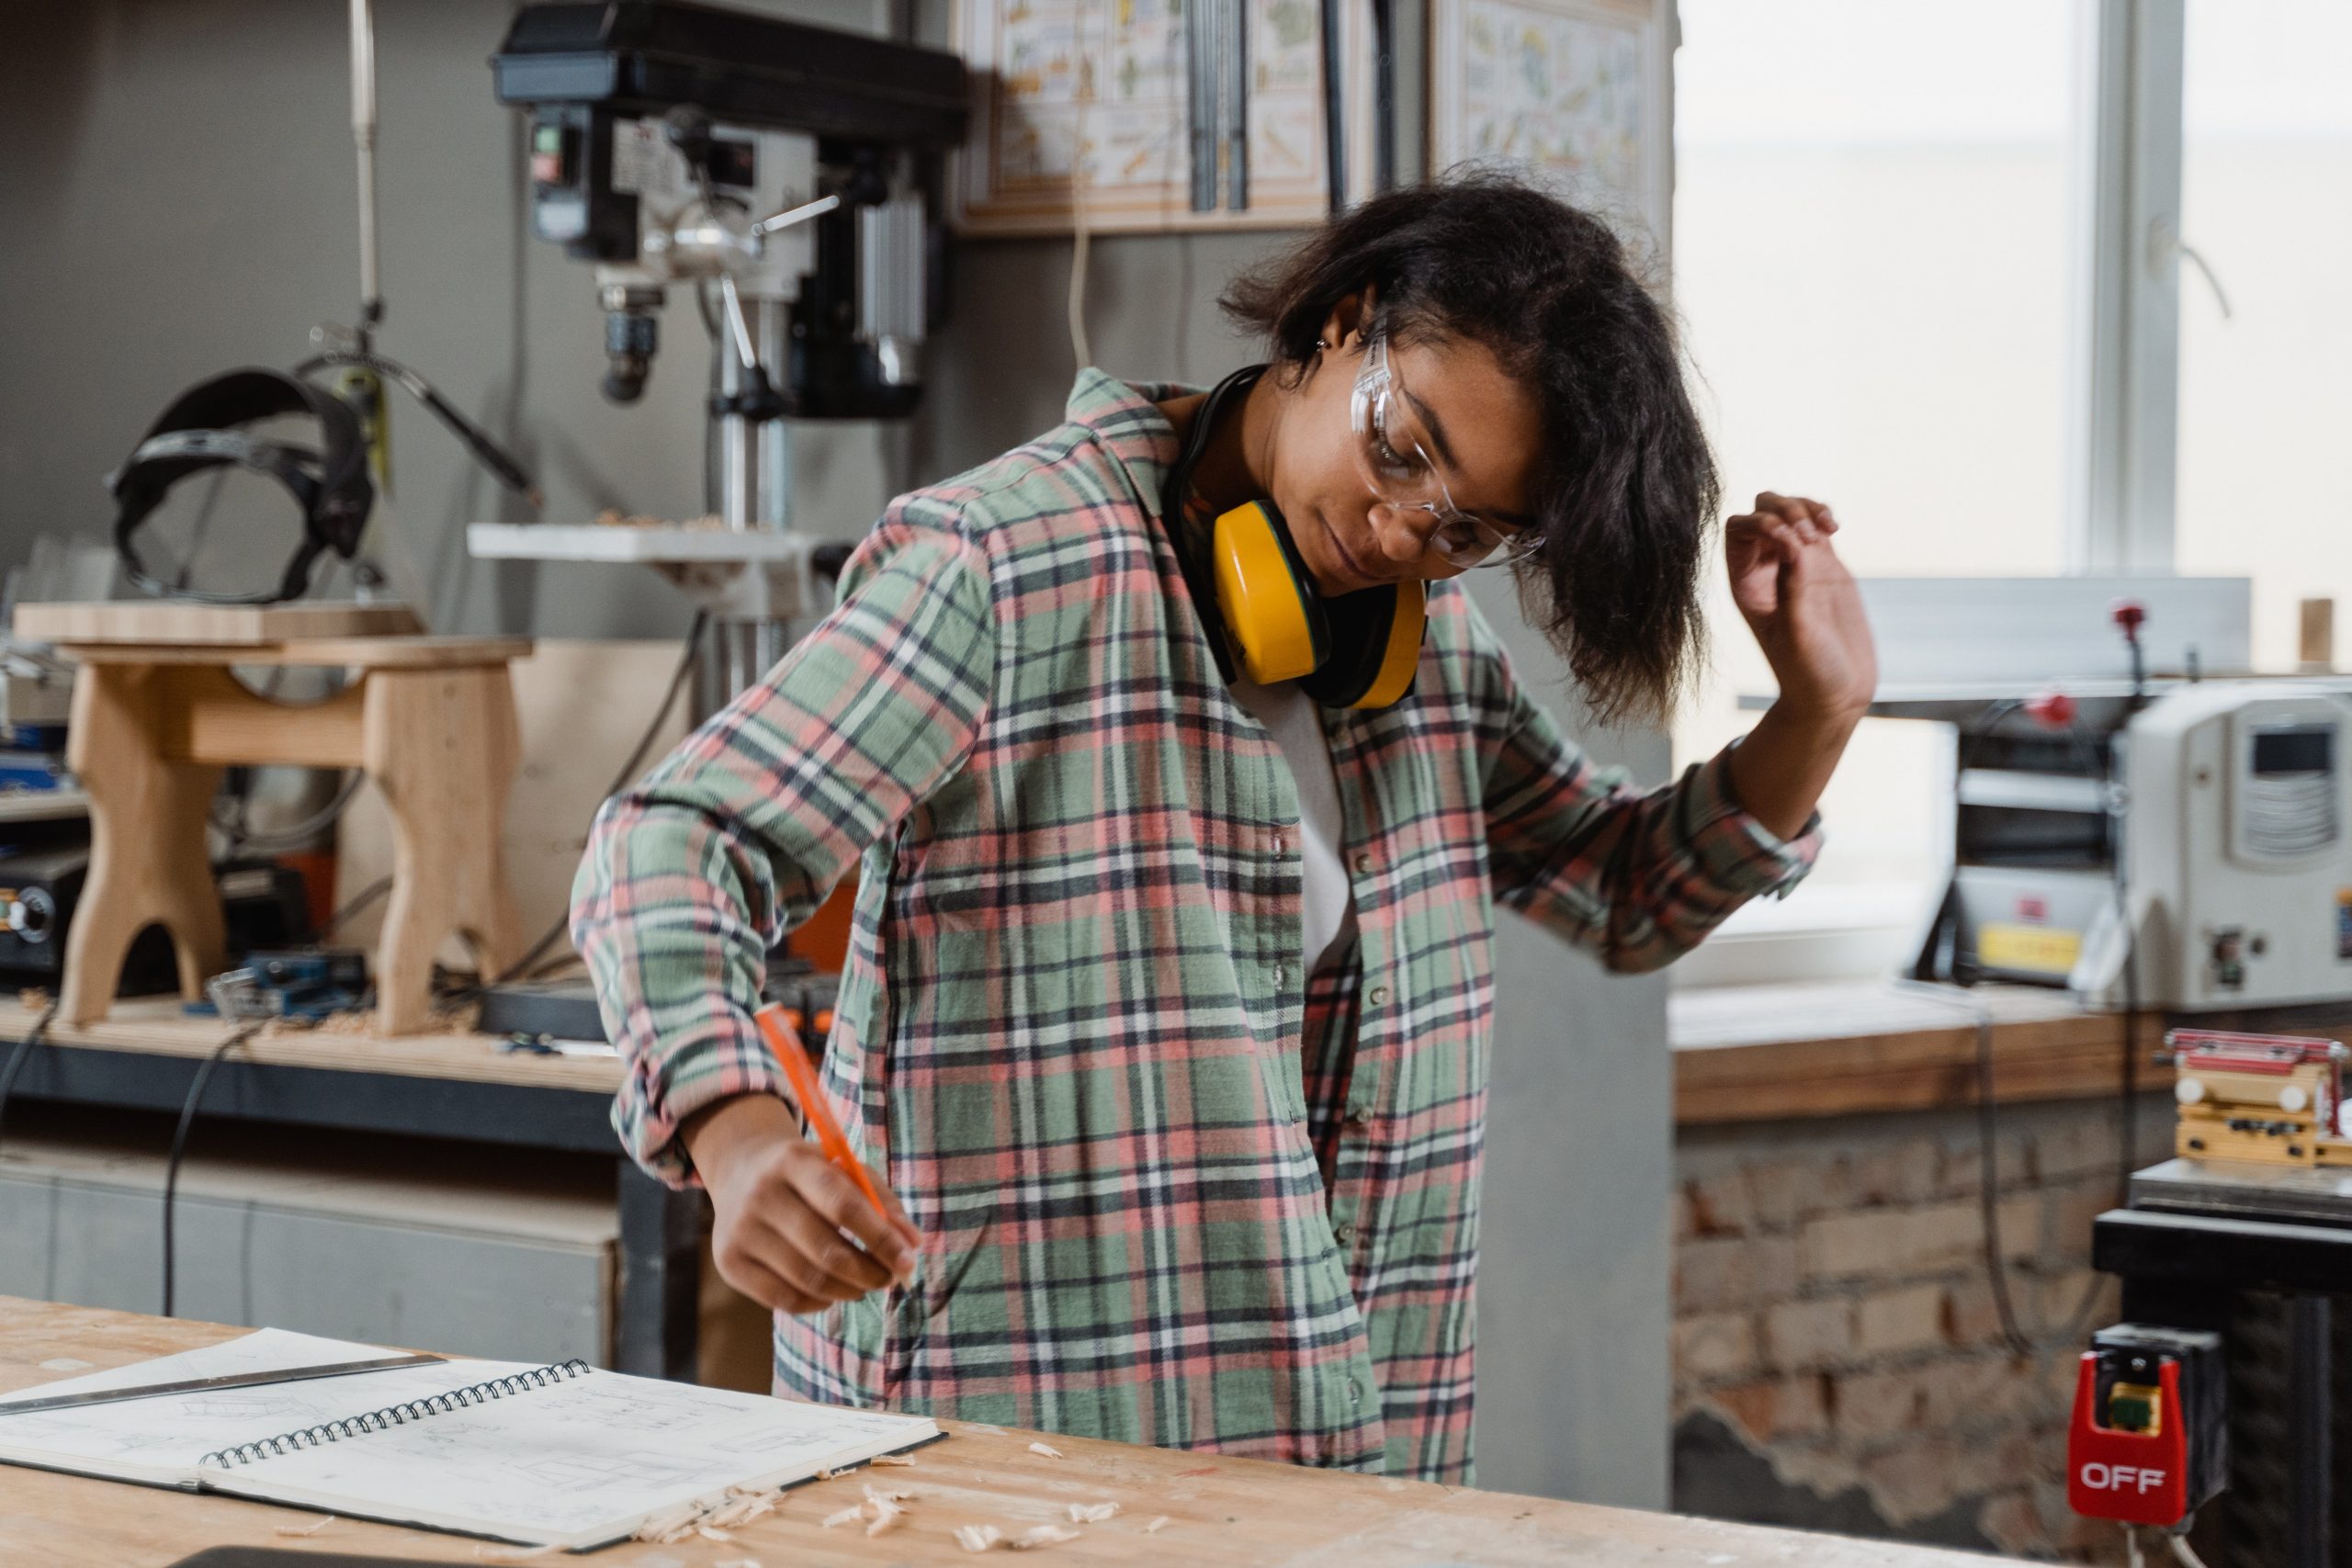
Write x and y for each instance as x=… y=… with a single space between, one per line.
x=2136 y=816
x=2275 y=1097
x=2236 y=850
x=789 y=180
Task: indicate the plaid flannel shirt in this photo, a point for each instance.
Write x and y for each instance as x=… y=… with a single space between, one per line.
x=1170 y=1193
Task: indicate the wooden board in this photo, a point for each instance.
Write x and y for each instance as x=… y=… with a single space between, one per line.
x=1226 y=1511
x=583 y=706
x=156 y=1024
x=1761 y=1052
x=327 y=652
x=173 y=620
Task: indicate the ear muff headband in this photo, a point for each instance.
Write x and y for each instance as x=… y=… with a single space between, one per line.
x=198 y=432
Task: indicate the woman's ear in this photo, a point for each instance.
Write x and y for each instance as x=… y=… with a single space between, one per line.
x=1348 y=318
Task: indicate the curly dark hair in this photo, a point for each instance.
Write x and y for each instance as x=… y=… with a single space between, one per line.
x=1626 y=492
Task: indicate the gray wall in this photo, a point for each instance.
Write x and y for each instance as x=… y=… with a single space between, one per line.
x=175 y=198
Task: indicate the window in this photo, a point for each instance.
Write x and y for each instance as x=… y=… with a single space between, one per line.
x=1876 y=256
x=2266 y=393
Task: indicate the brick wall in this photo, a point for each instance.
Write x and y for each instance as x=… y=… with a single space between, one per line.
x=1839 y=1363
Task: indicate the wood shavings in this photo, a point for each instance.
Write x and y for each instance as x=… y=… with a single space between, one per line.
x=32 y=998
x=708 y=1533
x=742 y=1510
x=1043 y=1535
x=670 y=1527
x=1046 y=1449
x=1154 y=1528
x=978 y=1538
x=824 y=1475
x=891 y=1459
x=515 y=1553
x=882 y=1509
x=312 y=1529
x=1092 y=1512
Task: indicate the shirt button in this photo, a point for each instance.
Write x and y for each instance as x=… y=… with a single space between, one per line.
x=1377 y=996
x=1363 y=865
x=1355 y=1391
x=1343 y=1232
x=1358 y=1116
x=1280 y=975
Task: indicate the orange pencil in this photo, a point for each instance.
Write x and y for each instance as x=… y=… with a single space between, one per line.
x=785 y=1040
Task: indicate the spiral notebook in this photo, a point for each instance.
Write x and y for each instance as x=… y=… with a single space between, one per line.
x=563 y=1455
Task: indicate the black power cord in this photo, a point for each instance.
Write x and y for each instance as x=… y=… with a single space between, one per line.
x=356 y=902
x=2013 y=1332
x=508 y=471
x=689 y=659
x=17 y=1057
x=179 y=1144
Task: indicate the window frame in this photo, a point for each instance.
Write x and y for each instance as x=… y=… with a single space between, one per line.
x=2124 y=395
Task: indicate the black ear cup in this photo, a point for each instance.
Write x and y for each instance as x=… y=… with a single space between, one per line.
x=1376 y=637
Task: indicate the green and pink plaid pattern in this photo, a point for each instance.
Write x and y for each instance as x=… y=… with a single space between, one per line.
x=1169 y=1193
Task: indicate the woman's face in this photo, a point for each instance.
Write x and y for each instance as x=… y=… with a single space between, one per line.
x=1366 y=496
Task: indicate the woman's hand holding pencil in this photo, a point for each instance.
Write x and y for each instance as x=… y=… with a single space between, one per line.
x=799 y=1225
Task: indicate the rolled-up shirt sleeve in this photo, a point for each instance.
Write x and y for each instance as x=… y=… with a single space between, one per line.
x=735 y=839
x=1639 y=876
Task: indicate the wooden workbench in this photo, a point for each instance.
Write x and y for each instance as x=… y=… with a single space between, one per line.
x=1843 y=1048
x=1221 y=1510
x=147 y=1053
x=160 y=1026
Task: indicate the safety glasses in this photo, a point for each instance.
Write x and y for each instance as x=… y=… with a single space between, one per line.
x=1397 y=469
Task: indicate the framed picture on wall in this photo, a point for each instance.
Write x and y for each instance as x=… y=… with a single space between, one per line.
x=1577 y=94
x=1127 y=114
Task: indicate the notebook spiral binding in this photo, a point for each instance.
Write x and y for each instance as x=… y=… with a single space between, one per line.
x=395 y=1415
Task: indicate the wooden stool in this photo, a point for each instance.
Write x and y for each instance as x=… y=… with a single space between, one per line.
x=431 y=719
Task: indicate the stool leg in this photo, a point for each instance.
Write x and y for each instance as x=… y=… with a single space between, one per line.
x=148 y=860
x=442 y=746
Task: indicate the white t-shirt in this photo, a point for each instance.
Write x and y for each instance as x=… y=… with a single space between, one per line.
x=1296 y=722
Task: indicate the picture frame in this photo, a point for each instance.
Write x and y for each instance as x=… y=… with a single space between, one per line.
x=1577 y=95
x=1102 y=85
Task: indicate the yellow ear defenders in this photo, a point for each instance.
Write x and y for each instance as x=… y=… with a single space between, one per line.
x=1358 y=651
x=1264 y=613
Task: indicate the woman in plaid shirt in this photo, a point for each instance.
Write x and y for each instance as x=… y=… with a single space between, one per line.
x=1168 y=1005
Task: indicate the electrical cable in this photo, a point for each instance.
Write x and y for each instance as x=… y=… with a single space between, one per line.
x=2013 y=1332
x=179 y=1142
x=689 y=659
x=711 y=329
x=242 y=837
x=356 y=902
x=486 y=450
x=198 y=530
x=17 y=1057
x=1079 y=232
